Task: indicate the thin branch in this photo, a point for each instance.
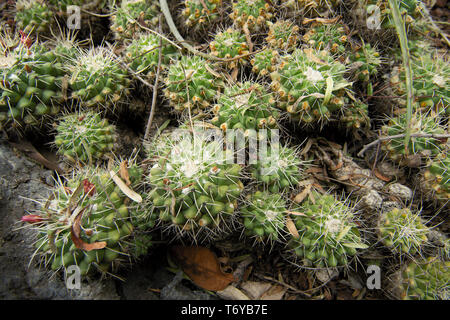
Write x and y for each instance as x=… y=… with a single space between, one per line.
x=397 y=136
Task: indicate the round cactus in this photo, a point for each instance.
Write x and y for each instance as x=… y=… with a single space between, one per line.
x=199 y=14
x=245 y=106
x=195 y=185
x=310 y=86
x=84 y=137
x=280 y=168
x=355 y=115
x=33 y=16
x=426 y=279
x=265 y=62
x=253 y=13
x=89 y=222
x=97 y=79
x=437 y=177
x=230 y=44
x=190 y=84
x=30 y=86
x=423 y=146
x=328 y=234
x=330 y=37
x=142 y=54
x=283 y=35
x=366 y=61
x=402 y=231
x=430 y=83
x=264 y=216
x=131 y=13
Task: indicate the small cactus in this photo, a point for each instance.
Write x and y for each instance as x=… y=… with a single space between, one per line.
x=355 y=116
x=230 y=44
x=131 y=13
x=245 y=106
x=199 y=14
x=84 y=137
x=366 y=62
x=425 y=279
x=195 y=187
x=328 y=234
x=97 y=78
x=437 y=177
x=265 y=62
x=190 y=84
x=310 y=86
x=103 y=239
x=253 y=13
x=402 y=231
x=33 y=16
x=283 y=35
x=264 y=216
x=330 y=37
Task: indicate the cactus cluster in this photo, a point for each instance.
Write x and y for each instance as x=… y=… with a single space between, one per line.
x=366 y=61
x=283 y=35
x=310 y=86
x=190 y=84
x=265 y=62
x=403 y=231
x=328 y=235
x=199 y=14
x=245 y=106
x=264 y=216
x=419 y=145
x=280 y=168
x=142 y=54
x=131 y=13
x=426 y=279
x=84 y=137
x=30 y=86
x=330 y=37
x=33 y=16
x=355 y=115
x=253 y=13
x=97 y=79
x=437 y=177
x=194 y=185
x=230 y=44
x=87 y=222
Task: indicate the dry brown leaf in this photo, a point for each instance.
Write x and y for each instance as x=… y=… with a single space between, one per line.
x=30 y=151
x=255 y=289
x=380 y=176
x=75 y=235
x=302 y=195
x=307 y=147
x=276 y=292
x=295 y=213
x=202 y=267
x=321 y=20
x=123 y=171
x=292 y=228
x=125 y=189
x=232 y=293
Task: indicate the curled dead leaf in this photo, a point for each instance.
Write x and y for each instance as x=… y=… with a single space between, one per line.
x=75 y=235
x=302 y=195
x=202 y=266
x=381 y=176
x=124 y=188
x=290 y=225
x=123 y=172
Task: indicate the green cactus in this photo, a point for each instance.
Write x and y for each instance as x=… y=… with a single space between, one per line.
x=330 y=37
x=328 y=234
x=366 y=61
x=408 y=8
x=264 y=216
x=245 y=106
x=142 y=54
x=90 y=5
x=437 y=177
x=106 y=217
x=253 y=13
x=423 y=146
x=33 y=16
x=279 y=169
x=430 y=83
x=30 y=86
x=200 y=14
x=84 y=137
x=191 y=85
x=310 y=86
x=97 y=79
x=125 y=22
x=425 y=279
x=230 y=44
x=355 y=116
x=194 y=185
x=283 y=35
x=265 y=62
x=402 y=231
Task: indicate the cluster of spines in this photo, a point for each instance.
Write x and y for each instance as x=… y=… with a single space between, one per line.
x=253 y=13
x=366 y=61
x=311 y=8
x=33 y=16
x=330 y=37
x=437 y=177
x=199 y=14
x=283 y=35
x=265 y=61
x=229 y=44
